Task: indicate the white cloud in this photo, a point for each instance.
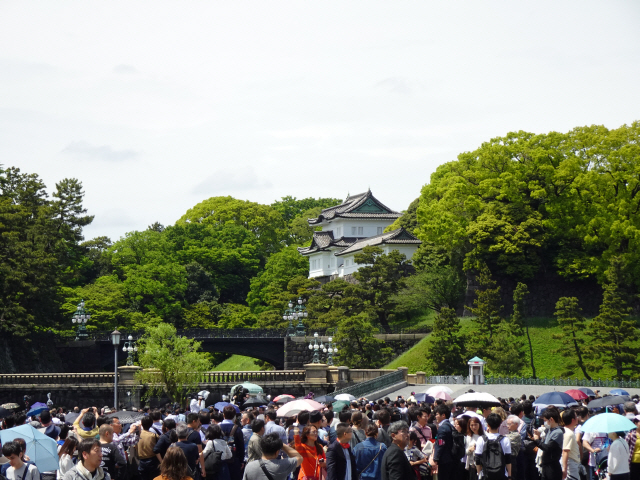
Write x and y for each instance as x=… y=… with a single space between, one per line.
x=102 y=152
x=125 y=69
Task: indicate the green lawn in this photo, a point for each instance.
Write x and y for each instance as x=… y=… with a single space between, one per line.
x=237 y=363
x=547 y=364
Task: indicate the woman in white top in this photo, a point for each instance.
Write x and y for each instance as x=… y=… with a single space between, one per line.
x=215 y=442
x=65 y=454
x=618 y=460
x=474 y=432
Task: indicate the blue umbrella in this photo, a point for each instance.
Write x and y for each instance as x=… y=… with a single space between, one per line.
x=42 y=450
x=559 y=399
x=220 y=405
x=607 y=423
x=424 y=398
x=36 y=409
x=618 y=391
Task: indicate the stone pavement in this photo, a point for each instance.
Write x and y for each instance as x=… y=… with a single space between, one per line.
x=503 y=391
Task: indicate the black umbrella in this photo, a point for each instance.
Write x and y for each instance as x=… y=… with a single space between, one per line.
x=323 y=399
x=125 y=416
x=4 y=413
x=255 y=402
x=283 y=400
x=71 y=417
x=610 y=400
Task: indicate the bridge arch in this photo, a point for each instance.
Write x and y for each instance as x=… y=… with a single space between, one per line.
x=267 y=349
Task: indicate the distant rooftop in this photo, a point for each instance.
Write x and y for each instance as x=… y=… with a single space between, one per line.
x=363 y=205
x=325 y=240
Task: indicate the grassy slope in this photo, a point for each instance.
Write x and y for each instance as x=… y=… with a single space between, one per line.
x=236 y=363
x=541 y=330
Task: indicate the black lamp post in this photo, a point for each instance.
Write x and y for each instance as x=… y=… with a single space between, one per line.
x=81 y=317
x=115 y=341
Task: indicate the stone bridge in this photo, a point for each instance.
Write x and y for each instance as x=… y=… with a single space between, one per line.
x=272 y=346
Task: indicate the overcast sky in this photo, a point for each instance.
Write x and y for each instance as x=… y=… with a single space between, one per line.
x=156 y=106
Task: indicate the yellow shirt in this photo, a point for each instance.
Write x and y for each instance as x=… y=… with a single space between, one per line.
x=636 y=452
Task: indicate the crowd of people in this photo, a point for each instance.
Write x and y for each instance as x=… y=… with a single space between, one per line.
x=382 y=440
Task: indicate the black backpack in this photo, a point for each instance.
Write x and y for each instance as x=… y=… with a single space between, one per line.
x=493 y=458
x=213 y=461
x=457 y=449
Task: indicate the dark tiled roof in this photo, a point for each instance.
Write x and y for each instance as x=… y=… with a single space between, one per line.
x=324 y=240
x=395 y=237
x=362 y=205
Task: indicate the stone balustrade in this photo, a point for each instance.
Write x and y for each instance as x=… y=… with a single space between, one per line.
x=13 y=379
x=71 y=387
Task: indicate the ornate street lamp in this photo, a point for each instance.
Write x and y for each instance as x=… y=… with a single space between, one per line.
x=316 y=348
x=81 y=317
x=130 y=347
x=330 y=349
x=301 y=310
x=115 y=341
x=296 y=312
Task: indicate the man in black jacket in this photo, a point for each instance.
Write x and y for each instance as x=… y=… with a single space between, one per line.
x=339 y=455
x=442 y=457
x=395 y=465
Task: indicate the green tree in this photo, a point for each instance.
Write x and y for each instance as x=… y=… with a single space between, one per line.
x=445 y=347
x=39 y=249
x=380 y=279
x=291 y=208
x=505 y=356
x=357 y=347
x=613 y=334
x=105 y=300
x=171 y=363
x=265 y=223
x=572 y=323
x=525 y=203
x=433 y=288
x=268 y=285
x=518 y=319
x=229 y=255
x=487 y=311
x=67 y=219
x=408 y=220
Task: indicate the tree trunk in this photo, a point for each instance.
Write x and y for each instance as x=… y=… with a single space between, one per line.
x=533 y=367
x=580 y=362
x=384 y=323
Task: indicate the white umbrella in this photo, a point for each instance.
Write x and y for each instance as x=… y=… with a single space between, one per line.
x=469 y=413
x=203 y=393
x=290 y=409
x=439 y=388
x=345 y=396
x=476 y=399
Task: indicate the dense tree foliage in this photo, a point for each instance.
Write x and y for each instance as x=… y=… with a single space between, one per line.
x=523 y=203
x=358 y=348
x=40 y=248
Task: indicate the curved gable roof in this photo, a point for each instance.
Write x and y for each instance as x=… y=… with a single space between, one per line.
x=362 y=205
